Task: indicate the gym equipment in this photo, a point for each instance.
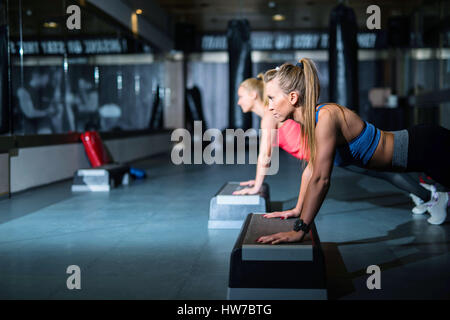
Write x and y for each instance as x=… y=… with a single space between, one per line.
x=95 y=150
x=104 y=174
x=101 y=179
x=194 y=110
x=343 y=57
x=138 y=174
x=289 y=271
x=157 y=117
x=228 y=211
x=240 y=68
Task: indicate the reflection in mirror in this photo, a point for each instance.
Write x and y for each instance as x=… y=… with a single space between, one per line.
x=97 y=78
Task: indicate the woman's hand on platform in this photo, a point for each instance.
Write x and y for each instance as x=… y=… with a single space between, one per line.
x=249 y=183
x=246 y=191
x=282 y=237
x=283 y=215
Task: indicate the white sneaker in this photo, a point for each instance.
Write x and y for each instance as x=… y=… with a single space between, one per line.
x=439 y=210
x=422 y=207
x=429 y=187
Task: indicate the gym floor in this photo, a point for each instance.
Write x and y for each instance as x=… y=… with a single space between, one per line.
x=150 y=240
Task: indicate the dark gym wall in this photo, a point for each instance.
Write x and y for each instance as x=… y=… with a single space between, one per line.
x=4 y=71
x=108 y=83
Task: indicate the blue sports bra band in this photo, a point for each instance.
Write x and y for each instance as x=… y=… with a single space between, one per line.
x=317 y=112
x=361 y=149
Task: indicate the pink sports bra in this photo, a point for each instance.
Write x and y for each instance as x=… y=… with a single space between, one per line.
x=290 y=140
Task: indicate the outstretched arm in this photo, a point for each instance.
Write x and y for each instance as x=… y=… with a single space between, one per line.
x=319 y=182
x=267 y=140
x=295 y=212
x=306 y=177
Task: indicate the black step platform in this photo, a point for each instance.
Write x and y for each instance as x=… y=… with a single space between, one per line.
x=293 y=271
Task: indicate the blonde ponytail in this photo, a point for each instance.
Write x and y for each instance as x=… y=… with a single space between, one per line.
x=312 y=93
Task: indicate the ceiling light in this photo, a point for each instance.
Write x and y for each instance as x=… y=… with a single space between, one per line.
x=50 y=24
x=139 y=11
x=278 y=17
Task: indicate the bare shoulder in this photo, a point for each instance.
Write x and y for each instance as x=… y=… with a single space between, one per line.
x=327 y=115
x=330 y=109
x=338 y=113
x=343 y=121
x=328 y=123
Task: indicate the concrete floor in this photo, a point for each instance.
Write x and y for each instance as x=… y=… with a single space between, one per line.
x=150 y=240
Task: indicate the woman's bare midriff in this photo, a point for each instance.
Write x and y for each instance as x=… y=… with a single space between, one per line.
x=382 y=157
x=351 y=126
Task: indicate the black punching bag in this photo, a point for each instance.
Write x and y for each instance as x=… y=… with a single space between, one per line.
x=240 y=64
x=343 y=57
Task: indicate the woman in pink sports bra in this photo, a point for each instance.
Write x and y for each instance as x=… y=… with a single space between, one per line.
x=290 y=139
x=251 y=99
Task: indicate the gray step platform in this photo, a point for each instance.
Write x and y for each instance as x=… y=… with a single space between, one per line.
x=228 y=211
x=101 y=179
x=290 y=271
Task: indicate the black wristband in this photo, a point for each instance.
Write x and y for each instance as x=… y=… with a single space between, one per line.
x=301 y=226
